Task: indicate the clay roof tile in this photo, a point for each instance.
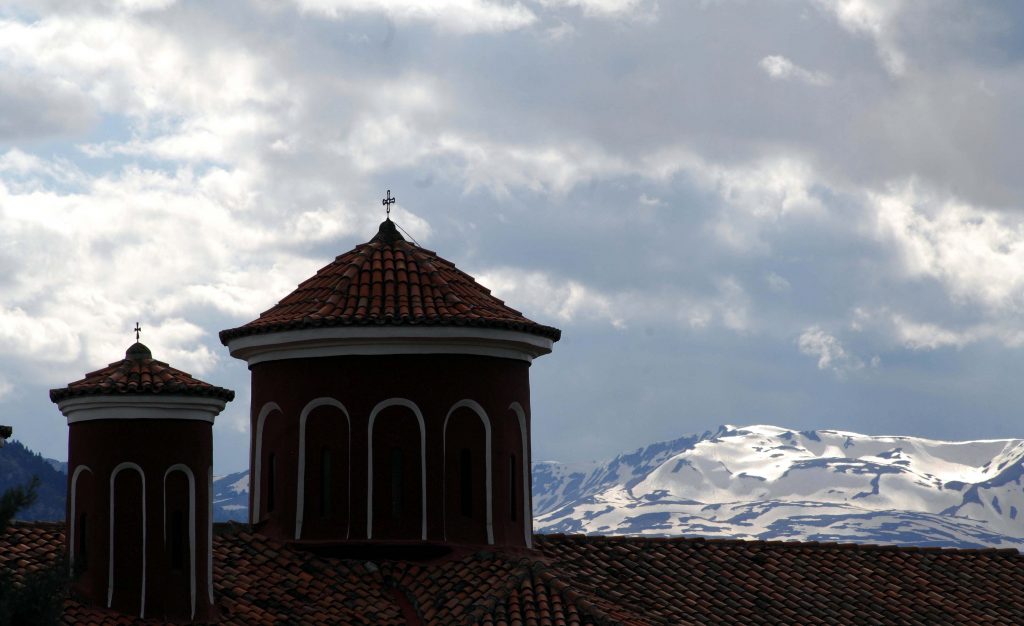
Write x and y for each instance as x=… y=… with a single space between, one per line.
x=391 y=281
x=140 y=374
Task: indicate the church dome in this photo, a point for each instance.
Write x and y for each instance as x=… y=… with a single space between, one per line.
x=140 y=373
x=389 y=281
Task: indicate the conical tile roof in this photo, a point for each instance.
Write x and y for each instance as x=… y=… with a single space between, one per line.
x=140 y=374
x=389 y=281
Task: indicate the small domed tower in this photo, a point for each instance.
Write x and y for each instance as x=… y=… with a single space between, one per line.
x=391 y=404
x=140 y=472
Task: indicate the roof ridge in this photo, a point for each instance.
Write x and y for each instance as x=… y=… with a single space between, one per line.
x=583 y=604
x=774 y=543
x=488 y=603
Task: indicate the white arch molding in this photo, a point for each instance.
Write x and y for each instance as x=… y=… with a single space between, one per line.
x=479 y=410
x=300 y=489
x=209 y=535
x=255 y=484
x=181 y=467
x=527 y=502
x=110 y=570
x=409 y=404
x=74 y=516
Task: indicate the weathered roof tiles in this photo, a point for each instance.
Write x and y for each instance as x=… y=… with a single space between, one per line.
x=389 y=281
x=583 y=580
x=140 y=373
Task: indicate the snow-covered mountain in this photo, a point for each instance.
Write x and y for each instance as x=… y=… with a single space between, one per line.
x=767 y=482
x=231 y=497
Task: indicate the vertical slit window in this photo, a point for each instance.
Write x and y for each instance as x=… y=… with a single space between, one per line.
x=397 y=484
x=512 y=491
x=271 y=481
x=82 y=549
x=177 y=541
x=325 y=482
x=466 y=482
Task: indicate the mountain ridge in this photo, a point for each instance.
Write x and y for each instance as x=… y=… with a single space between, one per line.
x=768 y=482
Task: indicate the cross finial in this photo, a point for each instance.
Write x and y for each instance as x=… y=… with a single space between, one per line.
x=138 y=331
x=387 y=202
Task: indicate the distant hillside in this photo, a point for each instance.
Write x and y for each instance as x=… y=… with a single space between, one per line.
x=18 y=465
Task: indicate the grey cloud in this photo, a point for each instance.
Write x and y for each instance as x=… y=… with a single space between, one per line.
x=31 y=108
x=518 y=152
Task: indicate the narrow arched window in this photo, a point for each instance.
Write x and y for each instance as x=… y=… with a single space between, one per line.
x=325 y=482
x=512 y=491
x=82 y=549
x=176 y=541
x=397 y=483
x=271 y=481
x=466 y=482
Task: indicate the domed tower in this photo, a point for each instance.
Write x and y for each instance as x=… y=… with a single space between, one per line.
x=140 y=472
x=391 y=403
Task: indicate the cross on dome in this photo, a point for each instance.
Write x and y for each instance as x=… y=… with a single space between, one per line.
x=387 y=202
x=138 y=331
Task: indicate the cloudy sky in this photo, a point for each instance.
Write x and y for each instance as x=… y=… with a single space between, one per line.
x=799 y=212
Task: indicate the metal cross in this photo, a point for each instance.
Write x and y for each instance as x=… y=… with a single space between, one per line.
x=387 y=202
x=138 y=330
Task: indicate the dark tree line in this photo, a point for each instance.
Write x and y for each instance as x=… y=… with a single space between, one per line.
x=39 y=598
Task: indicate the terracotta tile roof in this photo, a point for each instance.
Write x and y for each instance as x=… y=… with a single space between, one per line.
x=576 y=580
x=140 y=373
x=389 y=281
x=678 y=580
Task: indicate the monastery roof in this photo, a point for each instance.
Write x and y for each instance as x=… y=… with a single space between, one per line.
x=588 y=580
x=391 y=282
x=138 y=374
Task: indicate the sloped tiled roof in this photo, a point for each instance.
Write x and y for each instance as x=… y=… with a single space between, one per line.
x=392 y=282
x=140 y=373
x=577 y=580
x=715 y=581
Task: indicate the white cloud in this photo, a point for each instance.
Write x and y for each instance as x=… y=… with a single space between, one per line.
x=543 y=296
x=828 y=350
x=781 y=68
x=976 y=254
x=137 y=69
x=599 y=8
x=874 y=18
x=461 y=16
x=46 y=339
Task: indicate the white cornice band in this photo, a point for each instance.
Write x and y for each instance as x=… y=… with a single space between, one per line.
x=134 y=407
x=384 y=340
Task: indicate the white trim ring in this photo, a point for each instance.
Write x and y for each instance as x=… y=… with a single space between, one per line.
x=88 y=408
x=376 y=340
